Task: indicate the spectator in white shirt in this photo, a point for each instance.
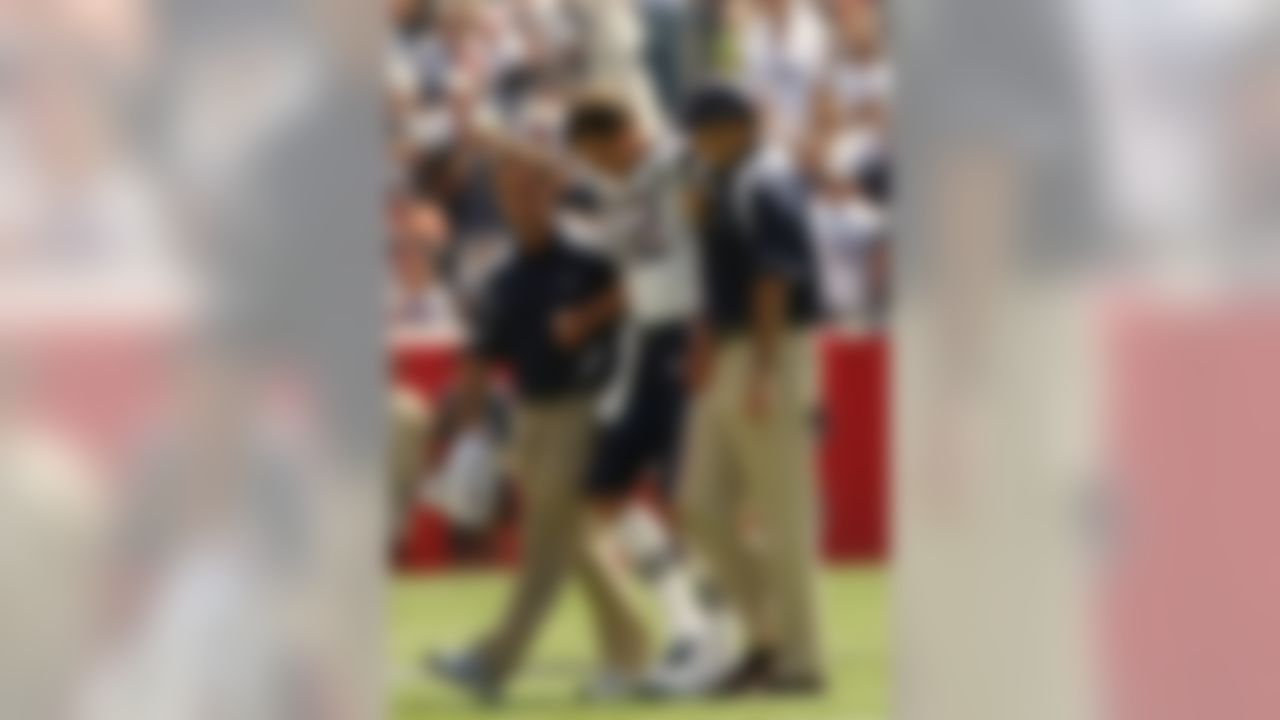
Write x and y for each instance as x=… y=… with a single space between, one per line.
x=420 y=304
x=783 y=51
x=859 y=78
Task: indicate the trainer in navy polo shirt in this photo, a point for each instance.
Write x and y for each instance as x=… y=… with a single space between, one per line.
x=752 y=223
x=521 y=307
x=754 y=227
x=752 y=430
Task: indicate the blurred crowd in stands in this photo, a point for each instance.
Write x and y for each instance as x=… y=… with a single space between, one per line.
x=460 y=71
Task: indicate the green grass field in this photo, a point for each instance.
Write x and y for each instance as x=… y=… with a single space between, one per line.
x=448 y=611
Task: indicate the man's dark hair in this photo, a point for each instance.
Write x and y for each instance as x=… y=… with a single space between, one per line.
x=718 y=104
x=596 y=119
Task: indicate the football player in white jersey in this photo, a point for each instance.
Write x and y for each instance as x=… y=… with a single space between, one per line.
x=628 y=204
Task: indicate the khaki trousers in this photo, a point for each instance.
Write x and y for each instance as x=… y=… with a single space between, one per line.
x=749 y=499
x=551 y=448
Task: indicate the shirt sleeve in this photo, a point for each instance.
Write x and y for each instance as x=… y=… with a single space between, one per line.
x=582 y=199
x=779 y=234
x=490 y=326
x=583 y=221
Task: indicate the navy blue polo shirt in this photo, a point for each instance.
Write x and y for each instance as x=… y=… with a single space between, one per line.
x=755 y=226
x=519 y=308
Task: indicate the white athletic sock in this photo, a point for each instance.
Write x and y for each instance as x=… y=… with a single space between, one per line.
x=649 y=546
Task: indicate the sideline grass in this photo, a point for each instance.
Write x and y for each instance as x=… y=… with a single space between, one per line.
x=447 y=611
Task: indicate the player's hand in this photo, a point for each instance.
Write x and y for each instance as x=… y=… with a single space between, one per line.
x=570 y=329
x=700 y=361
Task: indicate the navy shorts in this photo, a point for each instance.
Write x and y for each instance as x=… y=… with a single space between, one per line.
x=644 y=438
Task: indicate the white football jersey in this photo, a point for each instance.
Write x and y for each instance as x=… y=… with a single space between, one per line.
x=640 y=224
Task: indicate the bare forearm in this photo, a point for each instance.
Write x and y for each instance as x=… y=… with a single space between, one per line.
x=768 y=319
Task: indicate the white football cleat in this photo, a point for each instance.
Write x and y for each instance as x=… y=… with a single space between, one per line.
x=691 y=667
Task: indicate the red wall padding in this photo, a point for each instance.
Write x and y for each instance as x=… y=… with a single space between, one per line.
x=855 y=449
x=853 y=456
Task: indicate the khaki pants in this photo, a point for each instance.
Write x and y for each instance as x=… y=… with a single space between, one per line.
x=551 y=448
x=749 y=500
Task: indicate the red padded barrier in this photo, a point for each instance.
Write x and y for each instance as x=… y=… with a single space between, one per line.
x=853 y=455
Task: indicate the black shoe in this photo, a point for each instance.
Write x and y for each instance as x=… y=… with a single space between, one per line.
x=754 y=672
